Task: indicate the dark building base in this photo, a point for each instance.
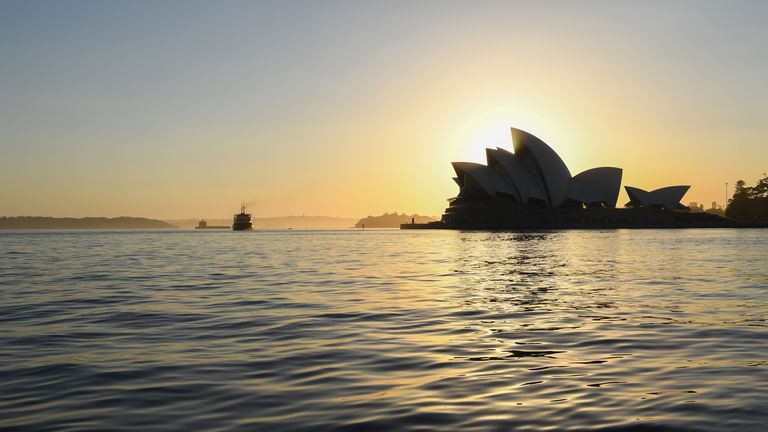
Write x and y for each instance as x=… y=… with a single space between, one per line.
x=500 y=213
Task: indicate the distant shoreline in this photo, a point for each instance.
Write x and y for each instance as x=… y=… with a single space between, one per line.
x=277 y=222
x=45 y=222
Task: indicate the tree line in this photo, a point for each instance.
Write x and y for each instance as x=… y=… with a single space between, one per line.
x=391 y=220
x=45 y=222
x=749 y=203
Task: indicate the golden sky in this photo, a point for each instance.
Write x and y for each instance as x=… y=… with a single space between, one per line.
x=183 y=109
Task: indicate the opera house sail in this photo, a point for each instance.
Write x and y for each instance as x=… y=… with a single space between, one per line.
x=532 y=188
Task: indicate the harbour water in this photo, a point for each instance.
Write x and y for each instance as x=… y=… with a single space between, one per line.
x=384 y=330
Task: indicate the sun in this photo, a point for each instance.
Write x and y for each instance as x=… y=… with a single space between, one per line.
x=492 y=136
x=490 y=128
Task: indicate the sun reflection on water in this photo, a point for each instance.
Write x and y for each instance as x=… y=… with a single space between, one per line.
x=389 y=329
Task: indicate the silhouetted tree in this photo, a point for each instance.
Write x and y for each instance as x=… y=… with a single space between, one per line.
x=740 y=189
x=761 y=188
x=749 y=203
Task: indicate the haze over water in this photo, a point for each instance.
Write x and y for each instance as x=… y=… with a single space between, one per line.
x=384 y=330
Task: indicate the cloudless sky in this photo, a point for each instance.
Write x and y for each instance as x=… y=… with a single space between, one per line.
x=348 y=108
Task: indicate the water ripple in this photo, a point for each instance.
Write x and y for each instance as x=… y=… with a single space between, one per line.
x=384 y=330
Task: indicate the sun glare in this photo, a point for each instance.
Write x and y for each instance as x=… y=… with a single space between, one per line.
x=475 y=138
x=491 y=129
x=492 y=136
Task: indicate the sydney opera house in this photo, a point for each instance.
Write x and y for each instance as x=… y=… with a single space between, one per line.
x=532 y=188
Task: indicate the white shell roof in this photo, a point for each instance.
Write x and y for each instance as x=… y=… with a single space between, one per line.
x=669 y=196
x=477 y=174
x=597 y=185
x=552 y=171
x=534 y=170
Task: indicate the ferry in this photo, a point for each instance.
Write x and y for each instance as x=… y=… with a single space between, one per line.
x=203 y=224
x=242 y=220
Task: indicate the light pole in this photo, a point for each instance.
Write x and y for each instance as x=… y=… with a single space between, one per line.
x=725 y=206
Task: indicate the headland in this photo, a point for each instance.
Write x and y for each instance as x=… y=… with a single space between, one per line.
x=45 y=222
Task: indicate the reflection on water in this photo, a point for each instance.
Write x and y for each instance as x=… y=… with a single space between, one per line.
x=384 y=330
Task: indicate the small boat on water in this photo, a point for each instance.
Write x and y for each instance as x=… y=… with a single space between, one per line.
x=203 y=224
x=242 y=220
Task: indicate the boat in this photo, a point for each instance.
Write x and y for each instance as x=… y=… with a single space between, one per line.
x=242 y=220
x=203 y=224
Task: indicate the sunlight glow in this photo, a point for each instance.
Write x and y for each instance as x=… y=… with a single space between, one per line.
x=492 y=136
x=492 y=129
x=481 y=132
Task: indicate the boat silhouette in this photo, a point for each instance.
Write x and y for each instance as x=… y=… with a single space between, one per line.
x=242 y=220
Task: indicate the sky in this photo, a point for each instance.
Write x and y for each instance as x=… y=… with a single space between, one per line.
x=174 y=109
